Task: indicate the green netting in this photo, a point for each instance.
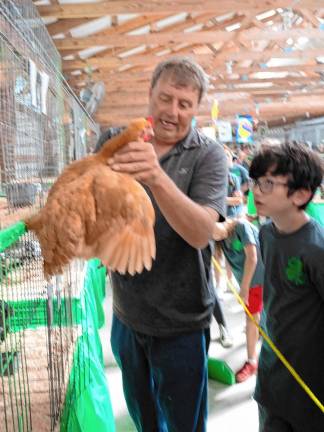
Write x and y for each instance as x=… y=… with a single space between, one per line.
x=87 y=403
x=316 y=211
x=251 y=209
x=32 y=313
x=11 y=235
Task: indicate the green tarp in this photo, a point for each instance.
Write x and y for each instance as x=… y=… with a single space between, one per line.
x=87 y=403
x=87 y=406
x=33 y=313
x=316 y=211
x=10 y=235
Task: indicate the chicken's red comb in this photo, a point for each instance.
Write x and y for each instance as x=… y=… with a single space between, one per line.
x=150 y=120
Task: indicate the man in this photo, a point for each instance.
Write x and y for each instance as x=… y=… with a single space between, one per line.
x=160 y=330
x=242 y=173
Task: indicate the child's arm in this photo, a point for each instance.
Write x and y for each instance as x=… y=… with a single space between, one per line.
x=221 y=229
x=250 y=264
x=235 y=200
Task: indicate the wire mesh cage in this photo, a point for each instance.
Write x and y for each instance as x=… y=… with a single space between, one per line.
x=42 y=128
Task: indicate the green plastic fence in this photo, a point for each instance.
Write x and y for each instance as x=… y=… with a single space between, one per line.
x=10 y=235
x=32 y=313
x=87 y=405
x=316 y=211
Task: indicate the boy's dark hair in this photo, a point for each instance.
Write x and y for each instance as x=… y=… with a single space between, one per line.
x=303 y=166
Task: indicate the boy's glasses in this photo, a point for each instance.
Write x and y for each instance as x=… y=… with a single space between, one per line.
x=266 y=185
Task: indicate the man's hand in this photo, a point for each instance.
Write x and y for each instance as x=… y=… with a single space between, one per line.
x=139 y=159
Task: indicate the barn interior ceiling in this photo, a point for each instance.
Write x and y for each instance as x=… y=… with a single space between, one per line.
x=263 y=57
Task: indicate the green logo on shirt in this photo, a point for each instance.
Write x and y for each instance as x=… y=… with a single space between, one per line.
x=237 y=245
x=294 y=271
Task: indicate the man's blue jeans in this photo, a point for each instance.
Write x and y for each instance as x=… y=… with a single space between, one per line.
x=164 y=378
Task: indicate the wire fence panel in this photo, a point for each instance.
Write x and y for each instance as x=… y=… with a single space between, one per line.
x=43 y=127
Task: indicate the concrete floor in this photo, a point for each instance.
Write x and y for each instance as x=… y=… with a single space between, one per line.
x=231 y=408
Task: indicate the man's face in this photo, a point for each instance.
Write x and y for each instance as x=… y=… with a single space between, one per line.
x=172 y=108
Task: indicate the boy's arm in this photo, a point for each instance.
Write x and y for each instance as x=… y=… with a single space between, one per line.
x=250 y=264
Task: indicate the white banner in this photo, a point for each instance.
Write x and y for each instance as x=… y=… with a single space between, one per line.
x=224 y=130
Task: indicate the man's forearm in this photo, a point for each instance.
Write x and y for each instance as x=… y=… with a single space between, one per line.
x=193 y=222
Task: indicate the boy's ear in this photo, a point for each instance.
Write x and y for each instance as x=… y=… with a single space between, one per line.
x=301 y=196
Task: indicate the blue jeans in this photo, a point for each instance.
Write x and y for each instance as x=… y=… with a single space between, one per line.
x=164 y=378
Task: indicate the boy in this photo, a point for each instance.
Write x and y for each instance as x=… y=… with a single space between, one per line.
x=292 y=245
x=239 y=241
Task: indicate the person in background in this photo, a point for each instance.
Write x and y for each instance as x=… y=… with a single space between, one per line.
x=161 y=318
x=239 y=242
x=285 y=178
x=242 y=173
x=243 y=155
x=234 y=202
x=234 y=198
x=225 y=337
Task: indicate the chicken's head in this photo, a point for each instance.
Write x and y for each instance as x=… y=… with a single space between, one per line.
x=141 y=129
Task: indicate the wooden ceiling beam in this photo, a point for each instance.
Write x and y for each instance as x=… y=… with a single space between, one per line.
x=182 y=25
x=113 y=61
x=265 y=55
x=198 y=37
x=65 y=25
x=143 y=79
x=204 y=60
x=93 y=10
x=308 y=16
x=135 y=100
x=266 y=111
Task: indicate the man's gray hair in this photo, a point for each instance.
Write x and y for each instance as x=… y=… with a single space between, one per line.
x=184 y=71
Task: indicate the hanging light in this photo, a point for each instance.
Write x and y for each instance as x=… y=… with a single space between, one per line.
x=287 y=18
x=229 y=67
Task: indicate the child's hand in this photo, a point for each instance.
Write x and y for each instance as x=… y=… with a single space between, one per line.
x=223 y=229
x=220 y=231
x=244 y=294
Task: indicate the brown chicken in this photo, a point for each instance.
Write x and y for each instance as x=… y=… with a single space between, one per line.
x=92 y=211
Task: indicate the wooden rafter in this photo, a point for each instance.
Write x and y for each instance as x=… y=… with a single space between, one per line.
x=94 y=10
x=199 y=37
x=239 y=44
x=64 y=26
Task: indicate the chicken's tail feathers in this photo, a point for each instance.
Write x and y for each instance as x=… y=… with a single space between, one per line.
x=34 y=223
x=130 y=250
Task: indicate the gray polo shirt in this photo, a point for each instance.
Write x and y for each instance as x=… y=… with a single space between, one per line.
x=177 y=295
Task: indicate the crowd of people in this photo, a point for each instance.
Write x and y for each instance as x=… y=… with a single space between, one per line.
x=161 y=319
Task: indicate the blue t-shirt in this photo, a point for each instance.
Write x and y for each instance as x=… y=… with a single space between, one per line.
x=233 y=186
x=233 y=247
x=241 y=173
x=293 y=299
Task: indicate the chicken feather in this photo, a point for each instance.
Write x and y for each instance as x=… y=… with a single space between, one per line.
x=93 y=211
